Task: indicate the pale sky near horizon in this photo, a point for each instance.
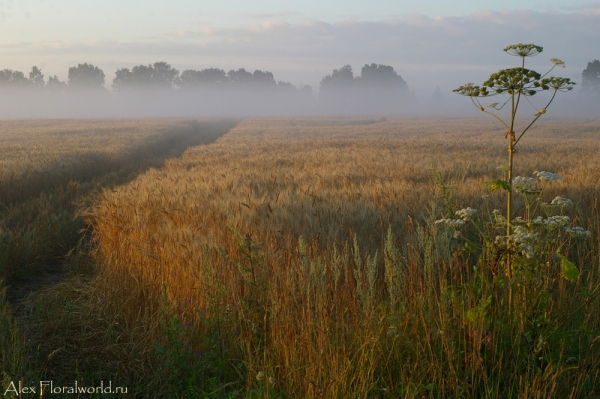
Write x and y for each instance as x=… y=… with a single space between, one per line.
x=428 y=42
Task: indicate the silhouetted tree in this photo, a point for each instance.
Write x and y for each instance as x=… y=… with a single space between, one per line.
x=55 y=85
x=211 y=77
x=263 y=79
x=437 y=99
x=239 y=79
x=590 y=78
x=342 y=78
x=163 y=75
x=13 y=79
x=381 y=77
x=306 y=90
x=122 y=80
x=86 y=77
x=36 y=77
x=159 y=75
x=378 y=89
x=141 y=76
x=286 y=86
x=244 y=80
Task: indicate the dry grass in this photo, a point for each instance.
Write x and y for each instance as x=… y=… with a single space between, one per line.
x=47 y=167
x=61 y=331
x=272 y=243
x=37 y=155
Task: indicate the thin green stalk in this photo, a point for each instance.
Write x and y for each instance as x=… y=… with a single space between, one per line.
x=532 y=122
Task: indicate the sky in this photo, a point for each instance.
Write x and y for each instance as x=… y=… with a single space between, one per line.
x=429 y=43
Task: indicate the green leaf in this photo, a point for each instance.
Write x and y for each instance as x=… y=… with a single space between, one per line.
x=479 y=312
x=470 y=248
x=498 y=184
x=568 y=269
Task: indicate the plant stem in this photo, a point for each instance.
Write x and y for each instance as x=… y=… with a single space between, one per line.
x=511 y=151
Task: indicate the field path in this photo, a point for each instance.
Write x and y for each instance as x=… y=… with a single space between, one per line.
x=64 y=195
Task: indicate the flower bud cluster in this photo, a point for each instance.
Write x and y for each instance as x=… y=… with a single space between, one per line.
x=466 y=214
x=560 y=201
x=521 y=241
x=499 y=219
x=524 y=184
x=547 y=176
x=578 y=232
x=552 y=222
x=454 y=223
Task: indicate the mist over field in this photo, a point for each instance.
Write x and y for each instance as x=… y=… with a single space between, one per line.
x=280 y=98
x=161 y=90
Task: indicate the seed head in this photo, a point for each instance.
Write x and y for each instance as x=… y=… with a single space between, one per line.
x=523 y=50
x=558 y=62
x=469 y=90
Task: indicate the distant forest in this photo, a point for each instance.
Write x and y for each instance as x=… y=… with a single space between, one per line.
x=160 y=90
x=378 y=88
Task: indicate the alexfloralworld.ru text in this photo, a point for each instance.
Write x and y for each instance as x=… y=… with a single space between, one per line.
x=19 y=388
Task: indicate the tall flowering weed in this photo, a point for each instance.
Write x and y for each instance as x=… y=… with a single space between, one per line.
x=534 y=237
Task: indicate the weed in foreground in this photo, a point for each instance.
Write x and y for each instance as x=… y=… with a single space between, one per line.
x=517 y=83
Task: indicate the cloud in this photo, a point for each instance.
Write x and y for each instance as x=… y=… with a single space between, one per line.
x=272 y=15
x=582 y=7
x=426 y=51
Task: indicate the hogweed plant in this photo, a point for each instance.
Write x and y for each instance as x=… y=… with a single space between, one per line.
x=534 y=239
x=517 y=83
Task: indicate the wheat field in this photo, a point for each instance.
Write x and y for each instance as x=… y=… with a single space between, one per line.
x=297 y=257
x=37 y=155
x=291 y=257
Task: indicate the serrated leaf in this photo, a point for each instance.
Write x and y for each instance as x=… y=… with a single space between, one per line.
x=569 y=271
x=498 y=184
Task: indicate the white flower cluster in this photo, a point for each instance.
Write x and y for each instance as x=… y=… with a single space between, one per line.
x=499 y=219
x=523 y=184
x=454 y=223
x=520 y=241
x=547 y=176
x=466 y=214
x=552 y=221
x=578 y=232
x=557 y=220
x=560 y=201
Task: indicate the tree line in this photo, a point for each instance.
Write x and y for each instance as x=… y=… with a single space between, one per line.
x=159 y=89
x=162 y=76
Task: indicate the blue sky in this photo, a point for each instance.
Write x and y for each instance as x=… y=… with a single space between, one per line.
x=427 y=42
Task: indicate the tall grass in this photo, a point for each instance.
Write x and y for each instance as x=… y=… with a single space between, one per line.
x=50 y=167
x=61 y=332
x=300 y=258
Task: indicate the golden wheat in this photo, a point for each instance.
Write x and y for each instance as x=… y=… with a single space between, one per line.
x=260 y=224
